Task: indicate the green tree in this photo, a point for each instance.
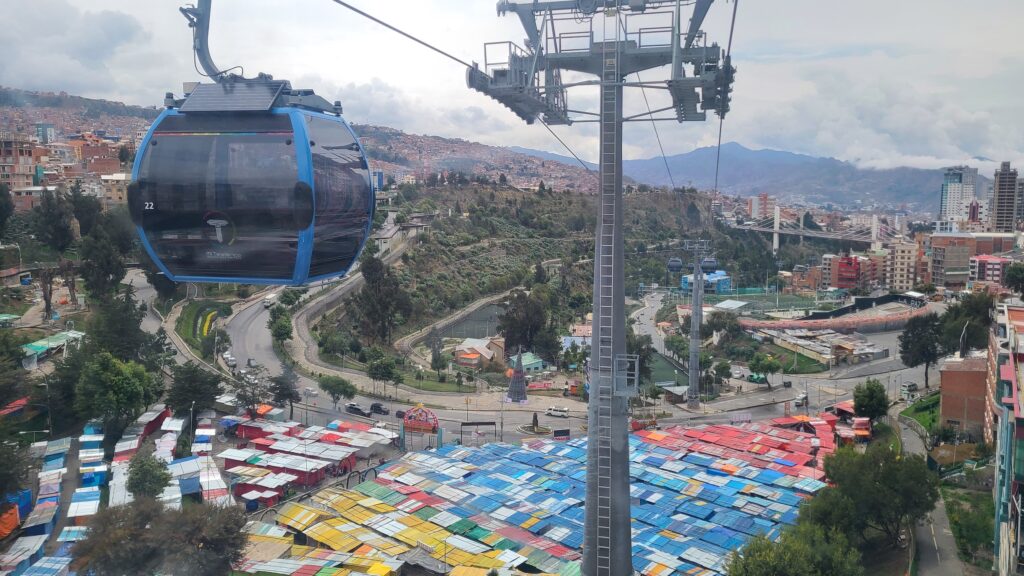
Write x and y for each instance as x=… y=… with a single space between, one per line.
x=540 y=275
x=147 y=476
x=832 y=509
x=1014 y=278
x=6 y=207
x=920 y=342
x=164 y=286
x=969 y=319
x=12 y=376
x=102 y=268
x=280 y=324
x=284 y=390
x=115 y=391
x=123 y=154
x=524 y=318
x=436 y=344
x=51 y=220
x=14 y=472
x=116 y=327
x=547 y=345
x=252 y=389
x=145 y=538
x=973 y=525
x=927 y=289
x=380 y=370
x=191 y=383
x=216 y=342
x=870 y=399
x=644 y=349
x=204 y=540
x=769 y=366
x=121 y=540
x=382 y=303
x=723 y=371
x=118 y=225
x=87 y=209
x=800 y=551
x=678 y=345
x=888 y=490
x=337 y=388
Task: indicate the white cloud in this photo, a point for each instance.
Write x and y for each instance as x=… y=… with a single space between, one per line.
x=875 y=82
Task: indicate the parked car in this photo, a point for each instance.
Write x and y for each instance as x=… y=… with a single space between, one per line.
x=801 y=399
x=787 y=383
x=378 y=408
x=399 y=413
x=229 y=359
x=353 y=408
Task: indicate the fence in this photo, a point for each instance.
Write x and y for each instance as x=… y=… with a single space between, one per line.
x=917 y=428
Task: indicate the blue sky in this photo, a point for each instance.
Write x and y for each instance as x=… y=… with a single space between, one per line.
x=922 y=83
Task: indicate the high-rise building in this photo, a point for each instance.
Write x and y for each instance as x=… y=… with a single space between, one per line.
x=1004 y=199
x=957 y=193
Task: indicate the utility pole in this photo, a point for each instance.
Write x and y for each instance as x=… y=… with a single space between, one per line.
x=605 y=38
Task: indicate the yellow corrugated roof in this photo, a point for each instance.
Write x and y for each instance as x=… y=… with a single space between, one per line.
x=298 y=516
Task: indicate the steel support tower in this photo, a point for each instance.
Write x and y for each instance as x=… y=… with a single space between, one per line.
x=700 y=249
x=609 y=39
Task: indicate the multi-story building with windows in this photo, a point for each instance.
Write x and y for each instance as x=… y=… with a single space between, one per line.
x=902 y=266
x=988 y=268
x=17 y=168
x=1004 y=199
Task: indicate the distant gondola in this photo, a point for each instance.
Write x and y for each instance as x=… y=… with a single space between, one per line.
x=709 y=264
x=675 y=265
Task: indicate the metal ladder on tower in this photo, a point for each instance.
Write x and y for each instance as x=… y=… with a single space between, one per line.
x=606 y=351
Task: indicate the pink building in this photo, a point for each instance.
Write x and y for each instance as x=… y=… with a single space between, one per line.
x=988 y=268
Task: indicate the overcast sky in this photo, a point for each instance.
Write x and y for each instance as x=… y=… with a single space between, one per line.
x=880 y=83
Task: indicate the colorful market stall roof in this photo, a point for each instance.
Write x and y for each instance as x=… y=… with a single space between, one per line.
x=698 y=494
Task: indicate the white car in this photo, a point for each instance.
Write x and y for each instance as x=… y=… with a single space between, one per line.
x=557 y=411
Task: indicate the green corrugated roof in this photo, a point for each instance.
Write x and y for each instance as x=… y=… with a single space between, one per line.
x=462 y=526
x=426 y=513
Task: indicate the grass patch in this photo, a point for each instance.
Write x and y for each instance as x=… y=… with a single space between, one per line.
x=430 y=383
x=887 y=436
x=971 y=517
x=925 y=412
x=662 y=370
x=804 y=365
x=15 y=300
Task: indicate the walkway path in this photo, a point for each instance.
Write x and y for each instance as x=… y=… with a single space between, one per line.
x=936 y=547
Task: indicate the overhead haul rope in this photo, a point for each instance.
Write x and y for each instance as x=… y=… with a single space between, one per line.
x=448 y=55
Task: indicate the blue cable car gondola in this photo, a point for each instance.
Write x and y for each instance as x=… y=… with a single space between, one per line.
x=250 y=181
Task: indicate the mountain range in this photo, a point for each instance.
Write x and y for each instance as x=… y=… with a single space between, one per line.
x=791 y=176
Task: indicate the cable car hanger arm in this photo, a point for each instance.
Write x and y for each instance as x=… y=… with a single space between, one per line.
x=198 y=17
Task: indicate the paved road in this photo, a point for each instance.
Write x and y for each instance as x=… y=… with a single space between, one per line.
x=936 y=547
